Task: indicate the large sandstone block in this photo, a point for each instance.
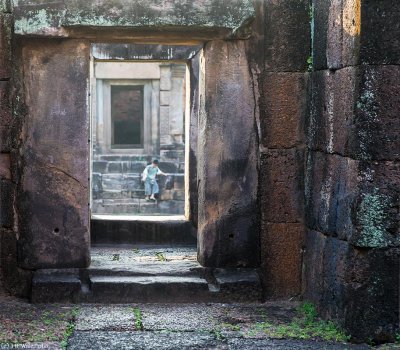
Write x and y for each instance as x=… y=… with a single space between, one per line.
x=336 y=30
x=6 y=26
x=5 y=104
x=352 y=32
x=281 y=257
x=331 y=124
x=7 y=195
x=202 y=19
x=376 y=214
x=331 y=190
x=380 y=31
x=227 y=160
x=53 y=195
x=355 y=201
x=282 y=186
x=377 y=120
x=15 y=280
x=287 y=35
x=283 y=108
x=358 y=288
x=354 y=112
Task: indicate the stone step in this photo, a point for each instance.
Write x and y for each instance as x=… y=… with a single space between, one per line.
x=140 y=274
x=60 y=286
x=106 y=230
x=147 y=289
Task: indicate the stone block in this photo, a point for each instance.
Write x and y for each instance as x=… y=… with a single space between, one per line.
x=192 y=20
x=354 y=112
x=283 y=109
x=6 y=203
x=377 y=122
x=333 y=97
x=380 y=31
x=5 y=5
x=6 y=27
x=376 y=214
x=5 y=138
x=5 y=104
x=114 y=167
x=227 y=160
x=164 y=98
x=334 y=34
x=357 y=287
x=53 y=193
x=5 y=166
x=337 y=25
x=287 y=35
x=282 y=185
x=99 y=166
x=320 y=16
x=313 y=258
x=281 y=259
x=59 y=288
x=238 y=285
x=331 y=191
x=15 y=280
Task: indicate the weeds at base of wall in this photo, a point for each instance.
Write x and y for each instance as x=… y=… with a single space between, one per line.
x=306 y=325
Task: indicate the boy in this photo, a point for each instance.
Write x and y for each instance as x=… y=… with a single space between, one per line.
x=150 y=181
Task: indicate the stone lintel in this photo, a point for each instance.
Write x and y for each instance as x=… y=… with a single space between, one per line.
x=57 y=18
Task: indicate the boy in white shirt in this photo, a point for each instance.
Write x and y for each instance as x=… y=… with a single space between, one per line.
x=150 y=182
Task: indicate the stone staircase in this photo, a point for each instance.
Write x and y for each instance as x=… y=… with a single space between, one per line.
x=145 y=274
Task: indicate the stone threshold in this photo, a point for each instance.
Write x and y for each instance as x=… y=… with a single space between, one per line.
x=145 y=274
x=146 y=218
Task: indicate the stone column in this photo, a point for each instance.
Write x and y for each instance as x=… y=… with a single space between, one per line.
x=165 y=94
x=53 y=193
x=177 y=100
x=283 y=109
x=228 y=234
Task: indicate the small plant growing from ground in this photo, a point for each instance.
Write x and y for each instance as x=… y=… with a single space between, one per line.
x=138 y=319
x=306 y=325
x=115 y=257
x=69 y=330
x=160 y=256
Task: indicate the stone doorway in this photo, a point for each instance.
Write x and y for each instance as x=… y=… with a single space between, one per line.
x=139 y=113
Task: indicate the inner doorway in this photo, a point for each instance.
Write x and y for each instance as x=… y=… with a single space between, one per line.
x=139 y=139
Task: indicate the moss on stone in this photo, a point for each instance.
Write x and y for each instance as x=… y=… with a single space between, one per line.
x=372 y=216
x=137 y=13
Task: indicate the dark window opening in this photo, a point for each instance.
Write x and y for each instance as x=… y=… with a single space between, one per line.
x=127 y=117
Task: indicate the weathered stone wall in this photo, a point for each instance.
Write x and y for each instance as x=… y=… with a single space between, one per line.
x=227 y=160
x=15 y=279
x=352 y=177
x=283 y=108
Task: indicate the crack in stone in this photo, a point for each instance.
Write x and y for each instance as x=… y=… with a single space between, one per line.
x=65 y=173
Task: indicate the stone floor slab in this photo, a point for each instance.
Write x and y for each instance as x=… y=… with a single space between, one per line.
x=141 y=340
x=106 y=318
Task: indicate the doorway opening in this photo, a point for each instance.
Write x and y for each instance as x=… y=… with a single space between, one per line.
x=140 y=117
